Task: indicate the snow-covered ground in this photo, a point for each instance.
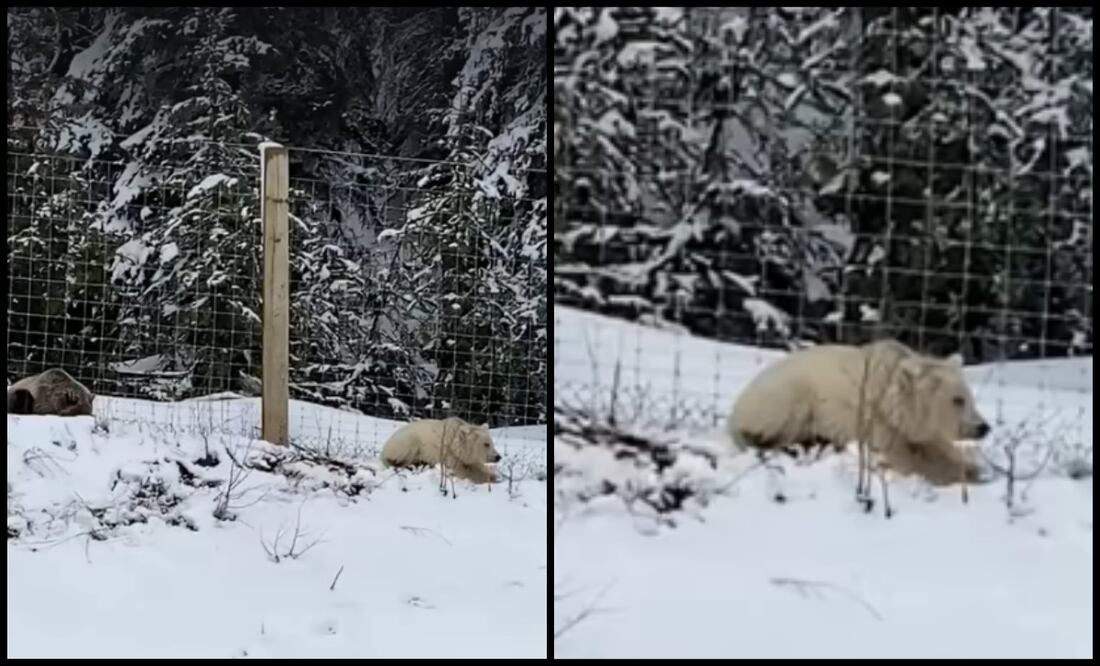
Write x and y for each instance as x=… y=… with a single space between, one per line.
x=814 y=576
x=121 y=542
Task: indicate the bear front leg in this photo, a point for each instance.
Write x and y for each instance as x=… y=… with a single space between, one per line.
x=469 y=472
x=968 y=463
x=488 y=474
x=480 y=473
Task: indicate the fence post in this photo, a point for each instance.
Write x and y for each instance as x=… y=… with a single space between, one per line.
x=274 y=191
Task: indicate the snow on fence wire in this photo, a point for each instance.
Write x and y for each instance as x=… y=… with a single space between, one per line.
x=412 y=292
x=765 y=178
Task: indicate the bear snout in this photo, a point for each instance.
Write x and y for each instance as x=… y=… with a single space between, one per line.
x=982 y=430
x=494 y=457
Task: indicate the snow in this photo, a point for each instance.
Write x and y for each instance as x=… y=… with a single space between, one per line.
x=129 y=259
x=1077 y=158
x=168 y=252
x=605 y=29
x=738 y=26
x=140 y=366
x=268 y=145
x=138 y=138
x=129 y=186
x=825 y=23
x=85 y=132
x=974 y=59
x=119 y=551
x=788 y=79
x=86 y=64
x=484 y=48
x=209 y=183
x=766 y=316
x=815 y=576
x=612 y=123
x=881 y=78
x=639 y=53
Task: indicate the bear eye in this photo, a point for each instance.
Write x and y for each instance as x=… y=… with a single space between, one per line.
x=959 y=401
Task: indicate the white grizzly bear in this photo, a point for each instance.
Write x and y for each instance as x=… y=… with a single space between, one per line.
x=914 y=408
x=464 y=449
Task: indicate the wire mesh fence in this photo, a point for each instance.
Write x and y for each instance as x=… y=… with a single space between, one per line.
x=417 y=289
x=768 y=178
x=449 y=316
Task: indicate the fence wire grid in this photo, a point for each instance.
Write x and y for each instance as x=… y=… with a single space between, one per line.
x=414 y=293
x=763 y=179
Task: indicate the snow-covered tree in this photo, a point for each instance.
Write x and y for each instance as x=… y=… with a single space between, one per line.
x=829 y=173
x=135 y=161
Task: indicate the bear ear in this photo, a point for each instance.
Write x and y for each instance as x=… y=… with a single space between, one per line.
x=955 y=360
x=464 y=444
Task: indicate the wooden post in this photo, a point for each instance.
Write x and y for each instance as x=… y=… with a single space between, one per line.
x=274 y=190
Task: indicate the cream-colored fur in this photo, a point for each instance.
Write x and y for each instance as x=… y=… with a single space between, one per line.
x=464 y=449
x=915 y=408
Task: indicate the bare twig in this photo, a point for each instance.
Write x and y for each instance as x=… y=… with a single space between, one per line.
x=805 y=587
x=238 y=472
x=863 y=485
x=275 y=555
x=1011 y=443
x=424 y=530
x=587 y=612
x=273 y=552
x=333 y=586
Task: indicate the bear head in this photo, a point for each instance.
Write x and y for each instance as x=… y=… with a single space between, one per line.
x=478 y=445
x=944 y=402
